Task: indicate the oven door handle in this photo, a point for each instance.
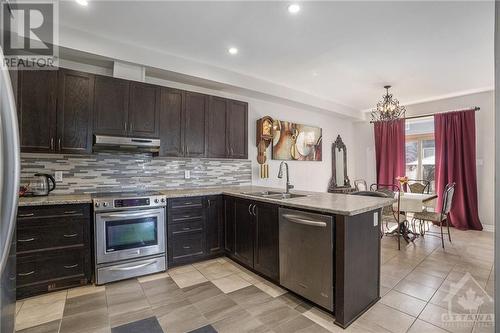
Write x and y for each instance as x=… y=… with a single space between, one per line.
x=129 y=215
x=129 y=268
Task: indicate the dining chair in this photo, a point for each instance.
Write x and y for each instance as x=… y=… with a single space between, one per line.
x=419 y=186
x=392 y=213
x=440 y=218
x=360 y=185
x=373 y=194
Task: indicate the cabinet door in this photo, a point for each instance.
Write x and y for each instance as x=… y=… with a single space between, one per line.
x=37 y=94
x=195 y=125
x=214 y=225
x=229 y=227
x=244 y=232
x=266 y=252
x=217 y=126
x=74 y=112
x=111 y=97
x=143 y=110
x=238 y=129
x=171 y=110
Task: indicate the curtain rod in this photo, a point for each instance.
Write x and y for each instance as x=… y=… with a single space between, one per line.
x=475 y=108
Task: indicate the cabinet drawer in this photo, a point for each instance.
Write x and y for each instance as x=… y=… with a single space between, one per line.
x=183 y=215
x=33 y=212
x=49 y=236
x=187 y=227
x=187 y=245
x=34 y=269
x=193 y=202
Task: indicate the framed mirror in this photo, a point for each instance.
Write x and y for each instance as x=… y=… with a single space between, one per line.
x=339 y=166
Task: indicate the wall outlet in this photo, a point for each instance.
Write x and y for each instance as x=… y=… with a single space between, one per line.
x=187 y=174
x=59 y=176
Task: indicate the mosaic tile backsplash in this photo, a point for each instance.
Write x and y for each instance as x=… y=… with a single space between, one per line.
x=105 y=172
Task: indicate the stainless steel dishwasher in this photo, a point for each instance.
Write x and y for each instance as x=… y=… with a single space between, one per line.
x=306 y=255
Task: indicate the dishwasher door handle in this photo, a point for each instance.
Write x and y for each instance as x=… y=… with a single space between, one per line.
x=300 y=220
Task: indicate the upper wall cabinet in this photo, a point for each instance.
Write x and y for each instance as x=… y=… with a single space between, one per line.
x=37 y=102
x=111 y=106
x=237 y=129
x=195 y=118
x=74 y=112
x=171 y=115
x=143 y=115
x=55 y=110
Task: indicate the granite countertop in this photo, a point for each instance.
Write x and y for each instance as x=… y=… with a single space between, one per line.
x=334 y=203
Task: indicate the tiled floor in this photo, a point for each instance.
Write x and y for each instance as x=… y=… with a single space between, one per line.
x=221 y=296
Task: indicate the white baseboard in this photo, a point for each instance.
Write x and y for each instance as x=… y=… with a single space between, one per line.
x=489 y=227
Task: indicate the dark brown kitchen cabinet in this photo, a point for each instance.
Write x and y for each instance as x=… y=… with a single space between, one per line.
x=53 y=248
x=74 y=112
x=171 y=114
x=252 y=238
x=37 y=103
x=217 y=128
x=195 y=120
x=111 y=104
x=214 y=223
x=143 y=115
x=237 y=129
x=266 y=250
x=244 y=231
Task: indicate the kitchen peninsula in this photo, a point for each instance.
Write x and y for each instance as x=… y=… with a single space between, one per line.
x=243 y=223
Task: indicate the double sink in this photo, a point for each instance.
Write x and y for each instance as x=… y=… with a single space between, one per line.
x=275 y=195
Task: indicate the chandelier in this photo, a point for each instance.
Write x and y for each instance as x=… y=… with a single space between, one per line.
x=388 y=108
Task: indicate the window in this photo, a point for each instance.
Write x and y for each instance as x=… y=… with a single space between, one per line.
x=420 y=150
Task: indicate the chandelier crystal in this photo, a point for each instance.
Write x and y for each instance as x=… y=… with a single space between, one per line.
x=388 y=108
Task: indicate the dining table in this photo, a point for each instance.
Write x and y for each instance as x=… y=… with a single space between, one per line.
x=411 y=203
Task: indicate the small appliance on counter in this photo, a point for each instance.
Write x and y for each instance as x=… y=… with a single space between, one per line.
x=40 y=184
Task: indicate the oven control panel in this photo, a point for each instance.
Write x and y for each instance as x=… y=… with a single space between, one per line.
x=103 y=204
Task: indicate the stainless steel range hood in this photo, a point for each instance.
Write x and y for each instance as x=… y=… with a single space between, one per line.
x=121 y=143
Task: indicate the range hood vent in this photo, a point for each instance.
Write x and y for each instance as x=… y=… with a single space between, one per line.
x=127 y=144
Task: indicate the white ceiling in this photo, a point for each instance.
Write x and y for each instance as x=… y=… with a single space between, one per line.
x=339 y=51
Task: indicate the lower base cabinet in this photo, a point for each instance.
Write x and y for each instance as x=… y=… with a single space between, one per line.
x=194 y=229
x=252 y=232
x=53 y=248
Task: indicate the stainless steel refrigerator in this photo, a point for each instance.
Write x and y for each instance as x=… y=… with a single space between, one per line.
x=9 y=186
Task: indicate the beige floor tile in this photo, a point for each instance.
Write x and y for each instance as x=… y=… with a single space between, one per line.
x=188 y=278
x=152 y=277
x=19 y=304
x=181 y=270
x=404 y=303
x=85 y=290
x=270 y=289
x=216 y=270
x=420 y=326
x=437 y=315
x=231 y=283
x=416 y=290
x=323 y=319
x=388 y=318
x=425 y=279
x=40 y=310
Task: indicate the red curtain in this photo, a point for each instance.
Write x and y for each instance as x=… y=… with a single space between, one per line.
x=455 y=134
x=390 y=150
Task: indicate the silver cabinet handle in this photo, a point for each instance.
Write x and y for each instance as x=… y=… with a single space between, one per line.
x=300 y=220
x=51 y=143
x=186 y=228
x=186 y=247
x=249 y=209
x=128 y=268
x=70 y=212
x=59 y=144
x=26 y=274
x=70 y=236
x=70 y=266
x=254 y=209
x=27 y=215
x=26 y=240
x=125 y=126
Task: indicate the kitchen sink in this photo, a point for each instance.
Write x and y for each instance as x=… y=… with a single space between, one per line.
x=275 y=195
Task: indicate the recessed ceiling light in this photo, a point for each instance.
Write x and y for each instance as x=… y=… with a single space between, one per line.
x=82 y=2
x=232 y=50
x=294 y=8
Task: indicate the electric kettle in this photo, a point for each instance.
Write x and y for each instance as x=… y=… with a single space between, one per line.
x=41 y=184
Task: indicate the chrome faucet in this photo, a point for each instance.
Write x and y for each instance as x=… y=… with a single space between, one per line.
x=280 y=175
